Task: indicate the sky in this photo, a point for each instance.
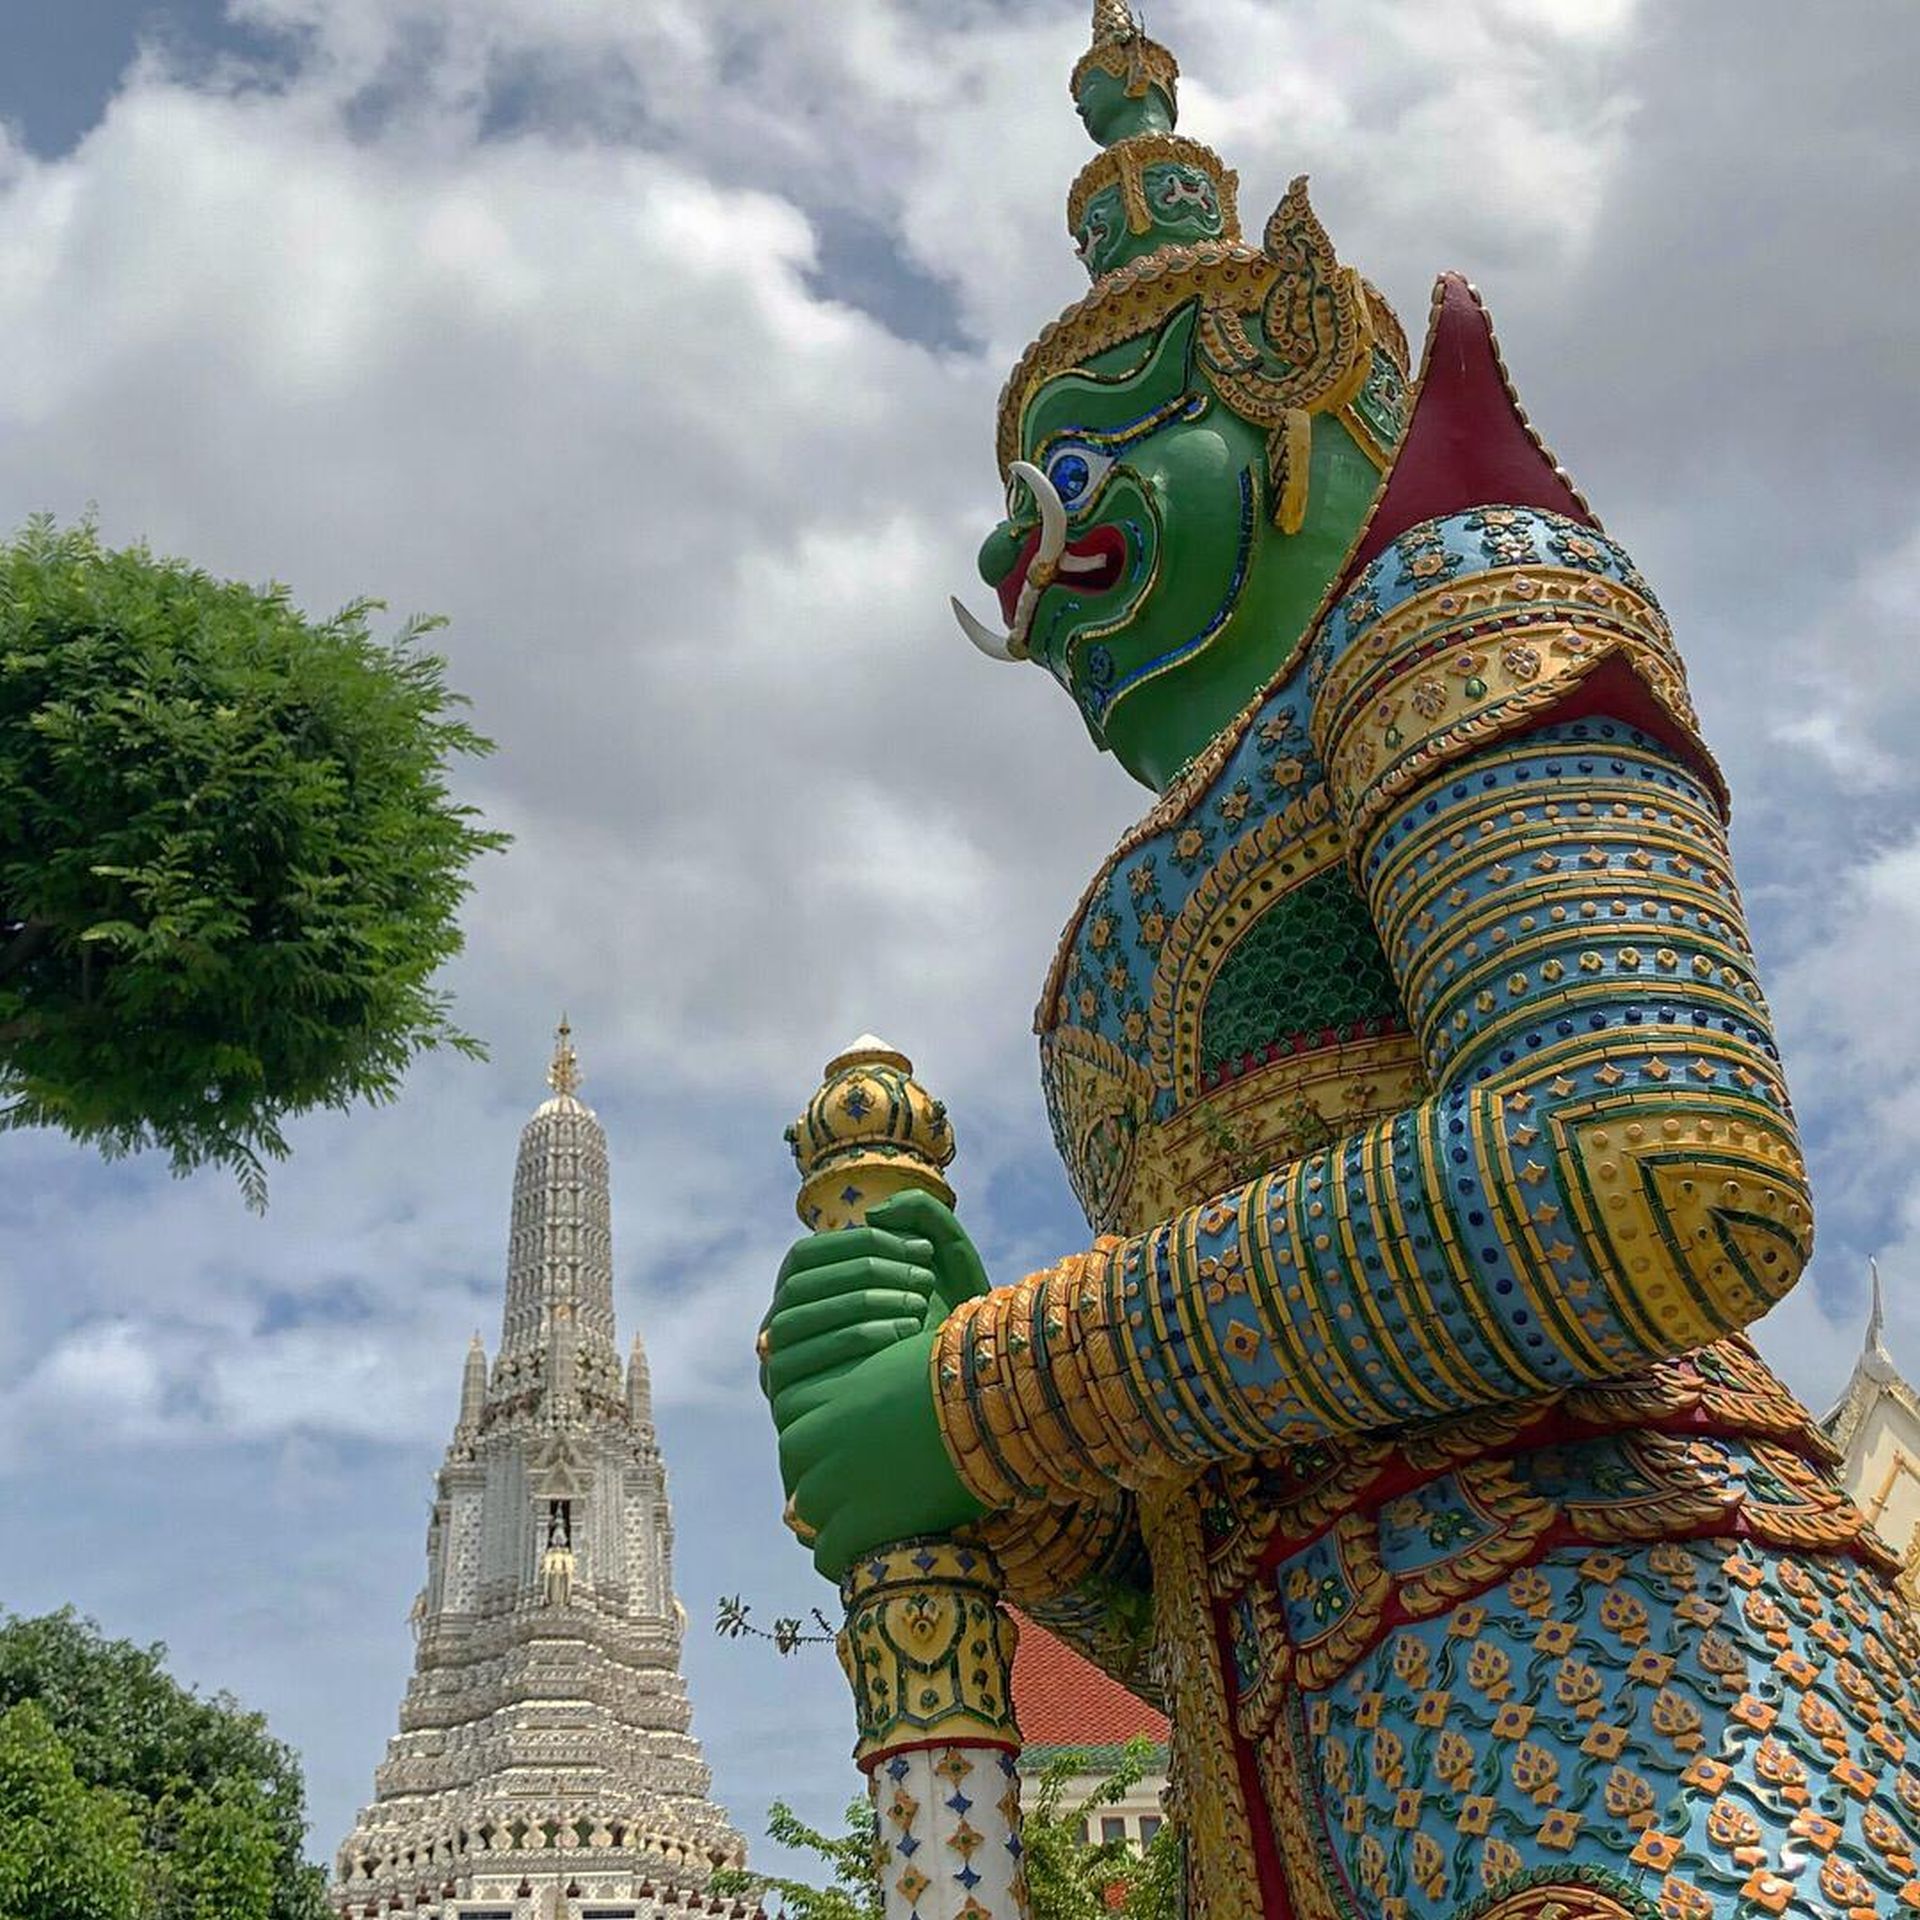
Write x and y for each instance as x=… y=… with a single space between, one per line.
x=655 y=343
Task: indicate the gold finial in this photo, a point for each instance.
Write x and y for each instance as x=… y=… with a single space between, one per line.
x=1121 y=48
x=870 y=1131
x=564 y=1075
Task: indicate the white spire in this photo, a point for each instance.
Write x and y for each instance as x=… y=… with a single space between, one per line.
x=473 y=1384
x=1874 y=1357
x=547 y=1664
x=639 y=1387
x=560 y=1245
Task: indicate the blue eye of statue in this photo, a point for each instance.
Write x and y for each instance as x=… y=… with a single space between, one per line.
x=1071 y=476
x=1075 y=471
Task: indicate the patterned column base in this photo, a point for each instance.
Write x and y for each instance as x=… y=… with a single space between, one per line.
x=949 y=1834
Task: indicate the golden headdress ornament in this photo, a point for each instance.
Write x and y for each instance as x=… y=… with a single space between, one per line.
x=1285 y=329
x=1122 y=49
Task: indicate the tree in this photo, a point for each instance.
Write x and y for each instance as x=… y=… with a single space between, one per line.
x=229 y=859
x=214 y=1795
x=225 y=1854
x=1072 y=1878
x=853 y=1893
x=67 y=1851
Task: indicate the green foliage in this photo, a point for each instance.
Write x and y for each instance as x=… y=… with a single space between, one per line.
x=1155 y=1890
x=229 y=861
x=853 y=1892
x=67 y=1851
x=219 y=1802
x=1067 y=1879
x=225 y=1856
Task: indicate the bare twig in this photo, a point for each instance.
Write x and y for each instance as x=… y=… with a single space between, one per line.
x=733 y=1619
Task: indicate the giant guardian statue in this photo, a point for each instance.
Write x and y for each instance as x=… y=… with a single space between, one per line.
x=1396 y=1427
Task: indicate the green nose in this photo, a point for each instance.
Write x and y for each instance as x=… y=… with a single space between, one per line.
x=1000 y=553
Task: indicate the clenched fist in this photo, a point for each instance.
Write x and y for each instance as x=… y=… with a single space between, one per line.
x=845 y=1351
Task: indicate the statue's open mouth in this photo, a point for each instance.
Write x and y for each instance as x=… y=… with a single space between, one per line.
x=1092 y=564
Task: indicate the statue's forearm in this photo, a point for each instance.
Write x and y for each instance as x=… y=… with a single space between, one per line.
x=1606 y=1173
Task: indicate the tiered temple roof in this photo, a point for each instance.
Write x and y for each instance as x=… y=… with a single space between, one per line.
x=545 y=1767
x=1876 y=1426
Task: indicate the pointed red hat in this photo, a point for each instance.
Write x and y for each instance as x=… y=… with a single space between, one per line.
x=1468 y=443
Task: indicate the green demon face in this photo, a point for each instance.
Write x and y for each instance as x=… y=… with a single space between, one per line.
x=1140 y=562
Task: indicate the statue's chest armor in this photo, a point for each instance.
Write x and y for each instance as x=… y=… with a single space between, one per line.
x=1220 y=1003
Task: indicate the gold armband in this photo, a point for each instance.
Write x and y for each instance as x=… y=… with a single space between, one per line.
x=1021 y=1381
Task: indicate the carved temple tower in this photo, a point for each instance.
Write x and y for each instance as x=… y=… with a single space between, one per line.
x=545 y=1768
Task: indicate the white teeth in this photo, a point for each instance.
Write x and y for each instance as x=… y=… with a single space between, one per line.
x=1053 y=512
x=1081 y=562
x=1050 y=555
x=995 y=646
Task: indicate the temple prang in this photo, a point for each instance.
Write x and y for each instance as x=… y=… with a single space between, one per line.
x=545 y=1766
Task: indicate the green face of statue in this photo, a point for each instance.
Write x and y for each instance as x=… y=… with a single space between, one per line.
x=1175 y=597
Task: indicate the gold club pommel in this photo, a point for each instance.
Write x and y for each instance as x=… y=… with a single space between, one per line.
x=870 y=1132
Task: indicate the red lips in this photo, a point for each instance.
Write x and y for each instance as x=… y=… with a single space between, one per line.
x=1091 y=564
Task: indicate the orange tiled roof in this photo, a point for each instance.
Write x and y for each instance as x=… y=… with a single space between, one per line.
x=1063 y=1700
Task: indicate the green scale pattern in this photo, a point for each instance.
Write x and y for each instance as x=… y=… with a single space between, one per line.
x=1310 y=963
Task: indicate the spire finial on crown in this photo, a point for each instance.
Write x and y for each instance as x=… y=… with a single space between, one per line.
x=1124 y=84
x=564 y=1075
x=1150 y=189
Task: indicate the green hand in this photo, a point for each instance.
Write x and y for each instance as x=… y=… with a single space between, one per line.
x=848 y=1343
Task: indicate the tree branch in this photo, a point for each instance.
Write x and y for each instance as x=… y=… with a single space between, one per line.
x=31 y=940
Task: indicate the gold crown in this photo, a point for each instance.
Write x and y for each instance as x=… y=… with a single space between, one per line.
x=1125 y=165
x=871 y=1131
x=1317 y=322
x=1121 y=49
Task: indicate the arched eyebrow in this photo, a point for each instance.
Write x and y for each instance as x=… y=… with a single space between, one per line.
x=1185 y=406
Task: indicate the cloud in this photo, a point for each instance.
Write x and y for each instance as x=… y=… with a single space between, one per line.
x=102 y=1376
x=1482 y=132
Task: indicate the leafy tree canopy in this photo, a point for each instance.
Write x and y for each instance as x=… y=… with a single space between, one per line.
x=229 y=859
x=1072 y=1878
x=852 y=1891
x=216 y=1804
x=67 y=1851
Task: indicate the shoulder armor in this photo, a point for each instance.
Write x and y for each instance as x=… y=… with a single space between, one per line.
x=1485 y=624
